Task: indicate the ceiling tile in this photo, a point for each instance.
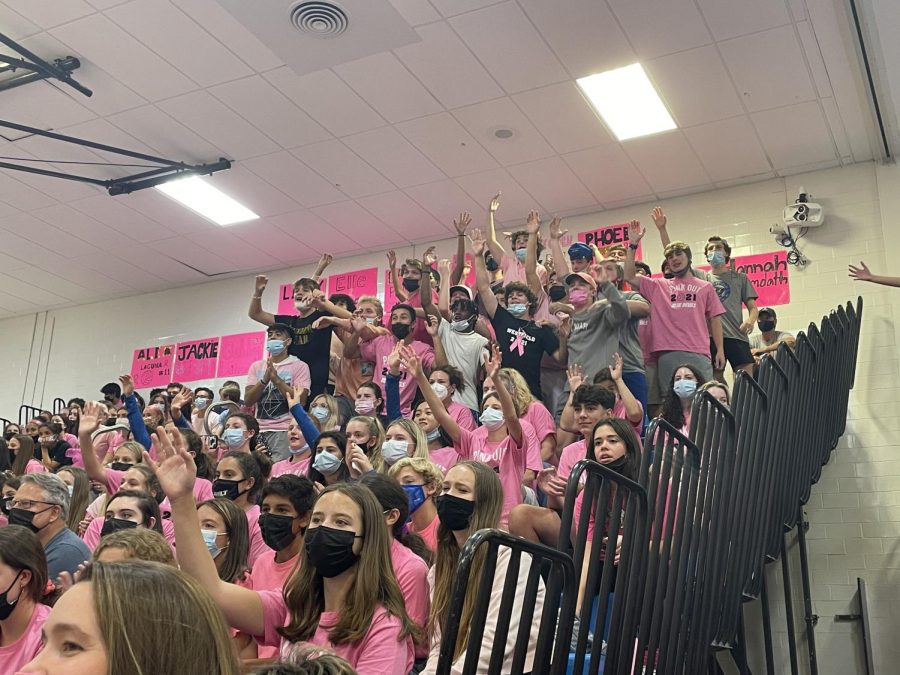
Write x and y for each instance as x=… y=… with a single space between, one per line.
x=608 y=173
x=123 y=271
x=112 y=211
x=222 y=127
x=445 y=65
x=166 y=136
x=515 y=202
x=838 y=130
x=22 y=196
x=56 y=189
x=328 y=99
x=99 y=40
x=742 y=156
x=269 y=238
x=666 y=161
x=23 y=249
x=695 y=86
x=657 y=27
x=343 y=169
x=63 y=284
x=314 y=232
x=388 y=86
x=151 y=259
x=563 y=116
x=84 y=227
x=43 y=234
x=447 y=144
x=44 y=106
x=795 y=136
x=445 y=200
x=197 y=257
x=483 y=119
x=17 y=26
x=22 y=288
x=182 y=42
x=506 y=42
x=270 y=111
x=354 y=222
x=454 y=7
x=553 y=184
x=49 y=13
x=161 y=209
x=295 y=179
x=416 y=12
x=253 y=192
x=221 y=244
x=14 y=305
x=101 y=131
x=768 y=68
x=394 y=157
x=229 y=31
x=573 y=35
x=730 y=18
x=405 y=217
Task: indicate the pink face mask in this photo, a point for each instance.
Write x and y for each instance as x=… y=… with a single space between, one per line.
x=364 y=406
x=578 y=296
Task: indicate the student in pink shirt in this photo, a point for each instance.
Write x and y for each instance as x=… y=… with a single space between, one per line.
x=298 y=462
x=679 y=396
x=227 y=538
x=421 y=479
x=21 y=447
x=627 y=406
x=240 y=477
x=23 y=581
x=473 y=499
x=440 y=445
x=344 y=595
x=409 y=553
x=366 y=432
x=502 y=441
x=446 y=381
x=513 y=267
x=125 y=510
x=286 y=504
x=378 y=349
x=532 y=411
x=329 y=463
x=403 y=438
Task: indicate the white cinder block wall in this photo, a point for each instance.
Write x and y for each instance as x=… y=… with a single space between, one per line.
x=855 y=507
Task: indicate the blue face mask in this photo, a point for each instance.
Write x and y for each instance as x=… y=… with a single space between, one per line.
x=320 y=412
x=716 y=258
x=299 y=451
x=234 y=438
x=392 y=451
x=517 y=308
x=684 y=388
x=416 y=495
x=209 y=538
x=326 y=463
x=275 y=347
x=520 y=254
x=433 y=435
x=201 y=402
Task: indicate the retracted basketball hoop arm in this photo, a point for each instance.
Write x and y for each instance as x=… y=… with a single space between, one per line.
x=42 y=70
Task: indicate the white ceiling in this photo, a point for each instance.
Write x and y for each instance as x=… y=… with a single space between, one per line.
x=386 y=149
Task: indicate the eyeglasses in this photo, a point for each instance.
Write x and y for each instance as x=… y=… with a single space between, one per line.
x=28 y=504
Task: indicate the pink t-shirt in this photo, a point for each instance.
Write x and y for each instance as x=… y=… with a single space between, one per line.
x=428 y=533
x=202 y=493
x=378 y=349
x=571 y=455
x=296 y=467
x=20 y=652
x=35 y=466
x=268 y=575
x=679 y=309
x=420 y=330
x=462 y=415
x=513 y=270
x=381 y=651
x=619 y=411
x=412 y=577
x=293 y=371
x=257 y=545
x=540 y=418
x=91 y=536
x=645 y=337
x=444 y=458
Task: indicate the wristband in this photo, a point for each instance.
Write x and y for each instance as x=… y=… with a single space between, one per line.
x=633 y=247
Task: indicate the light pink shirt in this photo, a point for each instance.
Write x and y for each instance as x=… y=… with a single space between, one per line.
x=679 y=309
x=296 y=467
x=268 y=575
x=444 y=458
x=35 y=466
x=570 y=456
x=378 y=349
x=20 y=652
x=429 y=533
x=91 y=536
x=619 y=411
x=462 y=415
x=293 y=371
x=257 y=545
x=513 y=270
x=540 y=418
x=412 y=577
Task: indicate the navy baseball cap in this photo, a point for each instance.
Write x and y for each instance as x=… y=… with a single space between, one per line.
x=580 y=251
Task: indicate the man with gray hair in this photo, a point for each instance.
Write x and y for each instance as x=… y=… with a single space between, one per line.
x=42 y=504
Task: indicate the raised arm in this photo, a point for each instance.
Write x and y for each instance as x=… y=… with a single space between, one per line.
x=660 y=220
x=135 y=419
x=635 y=233
x=444 y=419
x=633 y=409
x=533 y=227
x=320 y=302
x=399 y=291
x=461 y=224
x=493 y=245
x=256 y=311
x=295 y=403
x=177 y=473
x=392 y=384
x=87 y=425
x=563 y=264
x=182 y=398
x=482 y=278
x=324 y=262
x=444 y=290
x=862 y=273
x=492 y=365
x=440 y=354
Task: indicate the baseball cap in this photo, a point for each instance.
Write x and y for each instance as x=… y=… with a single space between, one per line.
x=586 y=278
x=462 y=289
x=282 y=328
x=578 y=251
x=769 y=311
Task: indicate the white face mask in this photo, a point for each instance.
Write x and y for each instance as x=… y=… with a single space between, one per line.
x=440 y=389
x=492 y=418
x=393 y=450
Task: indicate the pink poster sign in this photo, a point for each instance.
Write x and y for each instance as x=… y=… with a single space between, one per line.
x=354 y=284
x=196 y=360
x=152 y=366
x=768 y=272
x=610 y=235
x=390 y=298
x=238 y=352
x=286 y=300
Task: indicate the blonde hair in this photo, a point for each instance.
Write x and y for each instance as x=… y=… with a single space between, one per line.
x=143 y=641
x=712 y=384
x=333 y=421
x=372 y=300
x=135 y=448
x=429 y=471
x=518 y=389
x=376 y=431
x=138 y=543
x=418 y=436
x=486 y=514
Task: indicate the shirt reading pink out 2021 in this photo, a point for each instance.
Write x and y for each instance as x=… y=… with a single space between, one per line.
x=378 y=349
x=679 y=310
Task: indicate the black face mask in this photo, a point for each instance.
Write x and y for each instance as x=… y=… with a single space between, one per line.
x=400 y=330
x=766 y=326
x=330 y=551
x=111 y=525
x=7 y=607
x=25 y=518
x=8 y=435
x=227 y=489
x=454 y=513
x=110 y=421
x=491 y=265
x=668 y=275
x=277 y=530
x=617 y=464
x=556 y=293
x=120 y=466
x=411 y=285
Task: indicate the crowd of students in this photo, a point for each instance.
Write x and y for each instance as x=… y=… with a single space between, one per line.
x=310 y=519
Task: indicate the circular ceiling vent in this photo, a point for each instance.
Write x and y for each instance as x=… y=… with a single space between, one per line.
x=319 y=19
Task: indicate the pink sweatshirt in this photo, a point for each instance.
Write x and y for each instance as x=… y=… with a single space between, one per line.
x=381 y=651
x=20 y=652
x=412 y=577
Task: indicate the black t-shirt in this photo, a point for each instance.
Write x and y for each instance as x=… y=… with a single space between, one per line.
x=522 y=345
x=313 y=347
x=58 y=453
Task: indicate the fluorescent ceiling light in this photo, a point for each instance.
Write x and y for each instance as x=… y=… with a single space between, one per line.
x=210 y=202
x=627 y=102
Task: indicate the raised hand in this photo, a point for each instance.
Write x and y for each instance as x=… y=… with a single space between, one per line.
x=357 y=323
x=462 y=222
x=127 y=385
x=636 y=231
x=394 y=358
x=325 y=260
x=555 y=231
x=357 y=461
x=576 y=376
x=495 y=203
x=860 y=273
x=411 y=360
x=599 y=273
x=479 y=243
x=429 y=258
x=533 y=223
x=492 y=362
x=182 y=398
x=432 y=325
x=260 y=284
x=615 y=368
x=392 y=259
x=295 y=395
x=659 y=218
x=444 y=268
x=174 y=468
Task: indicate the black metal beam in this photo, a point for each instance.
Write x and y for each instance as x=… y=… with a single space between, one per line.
x=127 y=185
x=50 y=70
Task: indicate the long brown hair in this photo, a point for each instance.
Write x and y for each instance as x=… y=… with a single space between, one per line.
x=144 y=641
x=487 y=512
x=234 y=561
x=22 y=550
x=23 y=454
x=81 y=496
x=373 y=583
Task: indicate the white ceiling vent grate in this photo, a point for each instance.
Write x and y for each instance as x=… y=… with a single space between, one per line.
x=322 y=20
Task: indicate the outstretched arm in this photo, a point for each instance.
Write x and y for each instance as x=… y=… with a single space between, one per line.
x=461 y=224
x=399 y=291
x=510 y=416
x=493 y=245
x=533 y=227
x=444 y=419
x=482 y=279
x=560 y=257
x=635 y=233
x=324 y=262
x=660 y=220
x=256 y=311
x=862 y=273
